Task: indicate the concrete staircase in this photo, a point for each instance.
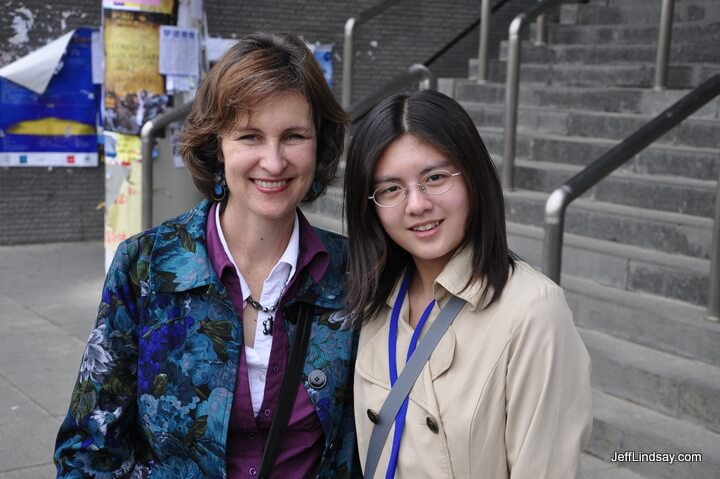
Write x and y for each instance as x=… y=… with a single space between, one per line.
x=637 y=247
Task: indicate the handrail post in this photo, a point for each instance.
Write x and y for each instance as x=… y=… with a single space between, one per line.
x=512 y=90
x=713 y=312
x=663 y=49
x=541 y=31
x=147 y=143
x=348 y=59
x=148 y=133
x=554 y=229
x=485 y=13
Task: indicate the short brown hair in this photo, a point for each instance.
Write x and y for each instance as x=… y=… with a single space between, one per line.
x=254 y=70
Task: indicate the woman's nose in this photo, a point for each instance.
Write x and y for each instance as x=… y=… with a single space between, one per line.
x=417 y=201
x=273 y=160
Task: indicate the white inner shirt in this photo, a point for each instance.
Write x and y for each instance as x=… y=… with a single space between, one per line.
x=258 y=356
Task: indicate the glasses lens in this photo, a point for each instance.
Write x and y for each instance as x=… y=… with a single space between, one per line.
x=438 y=182
x=390 y=194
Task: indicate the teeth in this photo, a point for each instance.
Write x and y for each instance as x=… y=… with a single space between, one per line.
x=270 y=184
x=426 y=227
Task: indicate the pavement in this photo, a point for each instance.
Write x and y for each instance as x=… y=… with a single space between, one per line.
x=48 y=299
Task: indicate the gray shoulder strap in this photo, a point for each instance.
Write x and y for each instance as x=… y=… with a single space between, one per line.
x=408 y=376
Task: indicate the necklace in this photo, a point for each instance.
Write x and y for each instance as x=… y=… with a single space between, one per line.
x=267 y=323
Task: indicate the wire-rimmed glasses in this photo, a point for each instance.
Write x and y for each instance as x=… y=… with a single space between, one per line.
x=437 y=182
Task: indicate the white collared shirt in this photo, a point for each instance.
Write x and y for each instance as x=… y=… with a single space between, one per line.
x=274 y=285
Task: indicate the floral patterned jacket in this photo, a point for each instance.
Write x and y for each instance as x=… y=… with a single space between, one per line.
x=156 y=382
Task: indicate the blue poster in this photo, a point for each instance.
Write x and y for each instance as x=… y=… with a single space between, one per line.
x=57 y=127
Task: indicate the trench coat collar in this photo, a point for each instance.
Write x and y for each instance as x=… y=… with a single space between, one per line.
x=452 y=280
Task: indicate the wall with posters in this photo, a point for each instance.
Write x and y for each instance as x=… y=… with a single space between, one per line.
x=62 y=204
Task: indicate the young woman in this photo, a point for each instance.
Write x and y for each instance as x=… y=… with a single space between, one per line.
x=183 y=373
x=506 y=392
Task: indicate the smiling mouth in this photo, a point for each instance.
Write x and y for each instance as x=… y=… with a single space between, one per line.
x=271 y=184
x=426 y=227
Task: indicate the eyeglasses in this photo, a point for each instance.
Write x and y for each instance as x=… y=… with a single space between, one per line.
x=435 y=183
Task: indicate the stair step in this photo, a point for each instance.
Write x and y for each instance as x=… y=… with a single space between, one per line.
x=616 y=100
x=625 y=267
x=670 y=160
x=621 y=426
x=699 y=132
x=696 y=52
x=677 y=195
x=630 y=13
x=680 y=75
x=592 y=467
x=674 y=386
x=656 y=230
x=657 y=322
x=682 y=32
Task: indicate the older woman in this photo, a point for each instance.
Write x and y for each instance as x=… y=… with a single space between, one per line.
x=199 y=363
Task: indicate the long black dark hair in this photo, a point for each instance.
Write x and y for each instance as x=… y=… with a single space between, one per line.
x=375 y=261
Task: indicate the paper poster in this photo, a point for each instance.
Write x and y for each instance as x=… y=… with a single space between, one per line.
x=57 y=126
x=134 y=88
x=123 y=150
x=179 y=51
x=124 y=213
x=152 y=6
x=324 y=55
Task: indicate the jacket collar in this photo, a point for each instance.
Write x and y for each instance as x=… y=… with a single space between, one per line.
x=180 y=261
x=452 y=280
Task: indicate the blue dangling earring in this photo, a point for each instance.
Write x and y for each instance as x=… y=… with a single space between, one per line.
x=220 y=187
x=315 y=187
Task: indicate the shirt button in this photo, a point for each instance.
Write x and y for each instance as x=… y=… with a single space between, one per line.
x=275 y=369
x=261 y=377
x=252 y=435
x=252 y=471
x=432 y=425
x=267 y=412
x=373 y=416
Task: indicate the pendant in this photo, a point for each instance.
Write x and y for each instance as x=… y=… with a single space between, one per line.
x=268 y=326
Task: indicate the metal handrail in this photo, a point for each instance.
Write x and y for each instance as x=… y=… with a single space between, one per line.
x=148 y=135
x=663 y=51
x=559 y=199
x=513 y=72
x=349 y=49
x=415 y=73
x=512 y=83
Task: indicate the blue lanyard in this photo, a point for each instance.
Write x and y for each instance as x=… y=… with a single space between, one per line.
x=392 y=359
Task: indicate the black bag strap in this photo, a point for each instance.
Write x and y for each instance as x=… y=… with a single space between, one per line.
x=288 y=391
x=408 y=376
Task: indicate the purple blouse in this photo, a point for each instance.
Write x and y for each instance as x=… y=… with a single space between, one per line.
x=302 y=446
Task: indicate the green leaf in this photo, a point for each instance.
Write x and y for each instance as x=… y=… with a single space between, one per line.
x=159 y=384
x=82 y=400
x=219 y=333
x=187 y=242
x=197 y=430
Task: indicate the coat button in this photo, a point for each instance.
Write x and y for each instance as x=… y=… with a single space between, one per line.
x=432 y=425
x=317 y=379
x=373 y=416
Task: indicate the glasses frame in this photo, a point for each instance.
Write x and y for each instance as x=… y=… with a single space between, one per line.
x=423 y=188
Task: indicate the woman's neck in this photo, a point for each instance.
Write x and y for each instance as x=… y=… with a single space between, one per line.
x=255 y=243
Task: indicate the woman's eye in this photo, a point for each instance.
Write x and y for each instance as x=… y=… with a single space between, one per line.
x=436 y=177
x=388 y=190
x=248 y=138
x=295 y=137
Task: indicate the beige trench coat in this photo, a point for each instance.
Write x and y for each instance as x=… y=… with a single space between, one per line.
x=506 y=393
